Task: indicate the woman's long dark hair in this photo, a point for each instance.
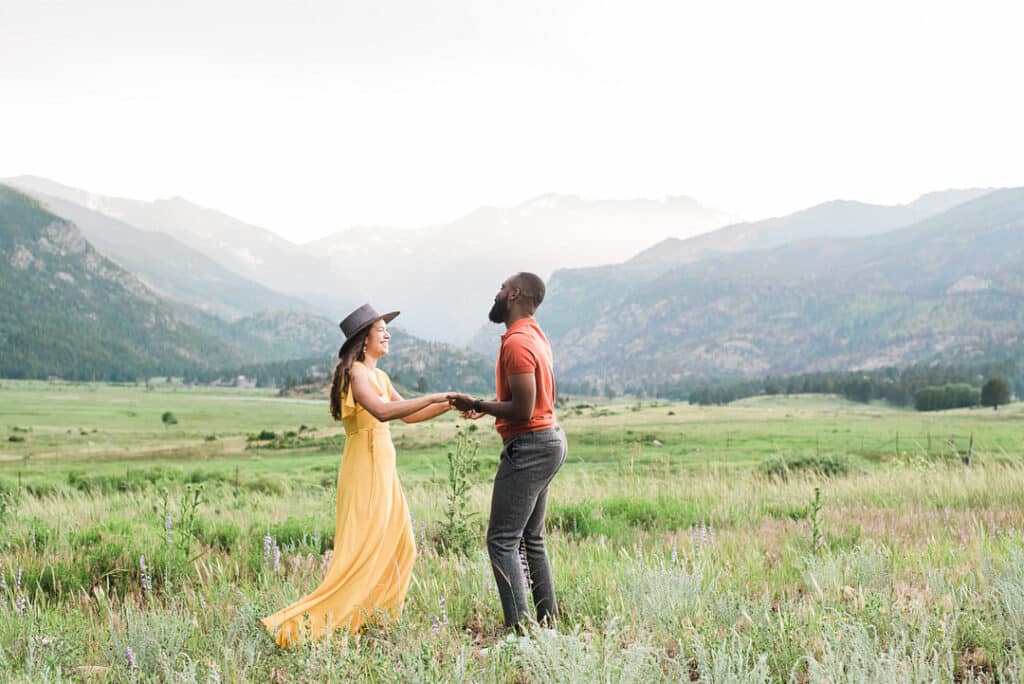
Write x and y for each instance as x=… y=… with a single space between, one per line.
x=347 y=355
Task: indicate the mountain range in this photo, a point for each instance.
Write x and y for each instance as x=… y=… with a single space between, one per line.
x=440 y=277
x=444 y=277
x=948 y=287
x=74 y=313
x=677 y=301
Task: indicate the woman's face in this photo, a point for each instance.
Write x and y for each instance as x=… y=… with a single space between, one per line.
x=377 y=340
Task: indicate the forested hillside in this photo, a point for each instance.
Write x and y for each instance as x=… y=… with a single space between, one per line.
x=68 y=311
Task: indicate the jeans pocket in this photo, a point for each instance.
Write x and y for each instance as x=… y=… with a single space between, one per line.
x=509 y=451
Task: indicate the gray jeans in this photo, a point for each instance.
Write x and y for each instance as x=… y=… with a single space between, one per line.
x=515 y=535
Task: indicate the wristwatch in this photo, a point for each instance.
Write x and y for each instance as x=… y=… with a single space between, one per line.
x=478 y=406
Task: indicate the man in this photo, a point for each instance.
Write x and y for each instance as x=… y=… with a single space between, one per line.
x=534 y=449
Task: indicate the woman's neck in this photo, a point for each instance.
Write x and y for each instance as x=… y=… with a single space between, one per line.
x=370 y=361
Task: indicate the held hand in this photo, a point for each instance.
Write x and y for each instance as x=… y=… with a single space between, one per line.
x=461 y=402
x=473 y=415
x=438 y=398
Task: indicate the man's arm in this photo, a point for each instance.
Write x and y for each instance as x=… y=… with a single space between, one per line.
x=523 y=387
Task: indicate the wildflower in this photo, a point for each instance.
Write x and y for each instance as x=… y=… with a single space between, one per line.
x=131 y=658
x=277 y=557
x=167 y=528
x=268 y=545
x=17 y=587
x=20 y=604
x=703 y=535
x=675 y=553
x=696 y=540
x=639 y=554
x=435 y=624
x=444 y=610
x=147 y=581
x=325 y=560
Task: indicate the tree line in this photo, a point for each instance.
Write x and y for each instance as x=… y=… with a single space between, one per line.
x=926 y=388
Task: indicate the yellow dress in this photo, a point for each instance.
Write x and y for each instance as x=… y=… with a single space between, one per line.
x=374 y=548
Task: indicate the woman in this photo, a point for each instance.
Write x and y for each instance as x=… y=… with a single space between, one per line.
x=373 y=541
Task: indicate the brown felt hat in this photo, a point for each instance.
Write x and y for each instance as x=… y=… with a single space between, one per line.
x=359 y=320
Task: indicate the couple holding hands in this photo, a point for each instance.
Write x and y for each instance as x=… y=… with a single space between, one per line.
x=374 y=549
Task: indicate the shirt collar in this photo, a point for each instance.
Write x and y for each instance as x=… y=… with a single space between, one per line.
x=521 y=323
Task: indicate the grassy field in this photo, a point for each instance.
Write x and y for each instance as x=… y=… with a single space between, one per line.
x=801 y=539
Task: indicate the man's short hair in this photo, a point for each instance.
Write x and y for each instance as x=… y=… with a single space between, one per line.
x=531 y=285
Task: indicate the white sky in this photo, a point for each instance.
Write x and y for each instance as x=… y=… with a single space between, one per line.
x=307 y=117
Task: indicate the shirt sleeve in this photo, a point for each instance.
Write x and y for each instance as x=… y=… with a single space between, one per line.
x=518 y=357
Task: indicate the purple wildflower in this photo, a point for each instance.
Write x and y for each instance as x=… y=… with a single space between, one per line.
x=17 y=587
x=435 y=624
x=639 y=554
x=277 y=557
x=444 y=610
x=131 y=658
x=696 y=540
x=20 y=603
x=167 y=528
x=675 y=553
x=703 y=535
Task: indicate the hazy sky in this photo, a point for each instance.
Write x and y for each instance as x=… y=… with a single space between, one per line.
x=308 y=117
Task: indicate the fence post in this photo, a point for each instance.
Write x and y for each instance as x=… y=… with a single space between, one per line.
x=970 y=451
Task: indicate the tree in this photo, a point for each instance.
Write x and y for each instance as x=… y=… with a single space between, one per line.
x=421 y=384
x=168 y=419
x=995 y=392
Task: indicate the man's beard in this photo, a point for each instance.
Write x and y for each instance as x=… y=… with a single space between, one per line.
x=499 y=312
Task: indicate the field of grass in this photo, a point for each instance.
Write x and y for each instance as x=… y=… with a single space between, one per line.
x=802 y=539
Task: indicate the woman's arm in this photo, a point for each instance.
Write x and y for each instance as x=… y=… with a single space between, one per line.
x=423 y=414
x=382 y=410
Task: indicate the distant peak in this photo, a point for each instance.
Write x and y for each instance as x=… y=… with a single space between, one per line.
x=550 y=200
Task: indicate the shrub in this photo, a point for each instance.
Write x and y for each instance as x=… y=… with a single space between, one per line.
x=457 y=532
x=307 y=535
x=45 y=488
x=219 y=535
x=266 y=485
x=828 y=465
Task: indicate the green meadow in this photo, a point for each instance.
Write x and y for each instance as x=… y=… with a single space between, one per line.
x=776 y=539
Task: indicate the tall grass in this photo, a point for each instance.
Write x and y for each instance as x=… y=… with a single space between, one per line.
x=667 y=569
